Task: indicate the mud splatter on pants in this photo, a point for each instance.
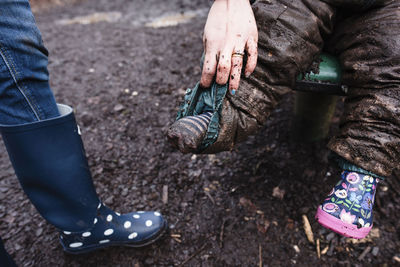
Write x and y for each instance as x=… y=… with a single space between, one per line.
x=291 y=35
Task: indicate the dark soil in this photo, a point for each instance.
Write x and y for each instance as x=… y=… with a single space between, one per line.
x=125 y=81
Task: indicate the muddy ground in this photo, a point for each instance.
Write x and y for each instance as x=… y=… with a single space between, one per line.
x=125 y=81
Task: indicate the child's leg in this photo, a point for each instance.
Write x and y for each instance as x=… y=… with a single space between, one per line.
x=369 y=138
x=369 y=47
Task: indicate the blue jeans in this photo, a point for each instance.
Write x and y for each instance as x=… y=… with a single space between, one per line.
x=25 y=94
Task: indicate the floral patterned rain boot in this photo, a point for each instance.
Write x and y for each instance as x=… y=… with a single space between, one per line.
x=348 y=208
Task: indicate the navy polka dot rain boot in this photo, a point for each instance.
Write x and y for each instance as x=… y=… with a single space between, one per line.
x=348 y=208
x=136 y=229
x=49 y=160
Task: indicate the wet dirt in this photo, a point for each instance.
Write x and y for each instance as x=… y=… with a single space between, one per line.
x=125 y=81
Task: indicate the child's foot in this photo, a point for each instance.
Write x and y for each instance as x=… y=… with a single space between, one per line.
x=348 y=208
x=136 y=229
x=188 y=133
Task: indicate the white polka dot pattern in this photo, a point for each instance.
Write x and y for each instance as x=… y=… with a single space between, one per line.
x=75 y=245
x=110 y=227
x=127 y=224
x=86 y=234
x=108 y=232
x=133 y=235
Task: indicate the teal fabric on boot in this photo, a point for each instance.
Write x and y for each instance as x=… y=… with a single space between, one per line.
x=346 y=165
x=199 y=101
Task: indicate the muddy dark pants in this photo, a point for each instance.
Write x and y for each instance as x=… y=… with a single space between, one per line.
x=291 y=35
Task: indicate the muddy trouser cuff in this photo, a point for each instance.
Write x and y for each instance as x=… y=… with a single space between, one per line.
x=348 y=166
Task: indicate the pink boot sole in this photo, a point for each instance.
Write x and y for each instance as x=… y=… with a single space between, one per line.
x=340 y=227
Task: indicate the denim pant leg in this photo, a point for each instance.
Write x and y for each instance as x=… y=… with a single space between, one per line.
x=25 y=94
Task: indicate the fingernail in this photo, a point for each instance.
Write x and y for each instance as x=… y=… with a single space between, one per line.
x=247 y=74
x=233 y=92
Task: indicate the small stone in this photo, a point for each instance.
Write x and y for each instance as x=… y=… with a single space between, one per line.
x=278 y=193
x=330 y=236
x=17 y=247
x=149 y=261
x=109 y=200
x=39 y=231
x=375 y=251
x=124 y=192
x=118 y=107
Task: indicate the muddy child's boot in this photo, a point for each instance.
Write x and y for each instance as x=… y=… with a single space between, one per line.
x=188 y=133
x=49 y=160
x=348 y=208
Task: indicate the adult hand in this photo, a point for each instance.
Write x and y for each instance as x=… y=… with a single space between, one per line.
x=230 y=30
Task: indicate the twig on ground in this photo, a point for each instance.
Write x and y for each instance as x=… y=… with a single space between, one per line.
x=325 y=250
x=177 y=240
x=165 y=194
x=197 y=252
x=221 y=234
x=364 y=253
x=209 y=196
x=175 y=235
x=318 y=249
x=308 y=230
x=260 y=263
x=396 y=259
